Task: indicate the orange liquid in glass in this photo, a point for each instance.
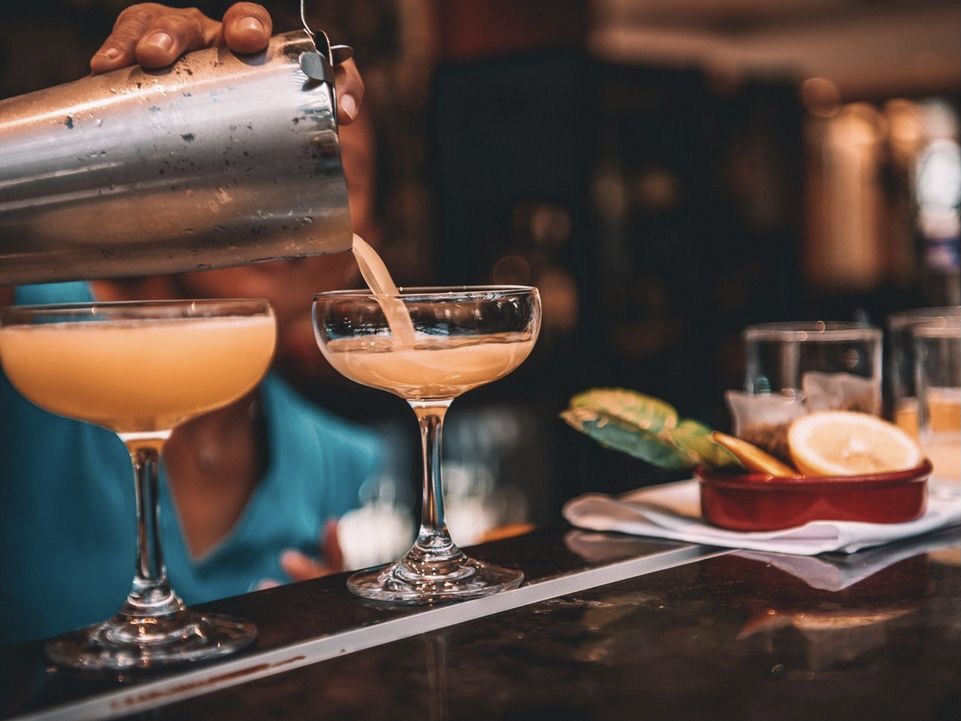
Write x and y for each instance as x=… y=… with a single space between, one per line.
x=431 y=368
x=137 y=376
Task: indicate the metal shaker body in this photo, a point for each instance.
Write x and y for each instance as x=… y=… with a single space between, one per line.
x=218 y=160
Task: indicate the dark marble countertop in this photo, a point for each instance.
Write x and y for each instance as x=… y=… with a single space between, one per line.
x=605 y=627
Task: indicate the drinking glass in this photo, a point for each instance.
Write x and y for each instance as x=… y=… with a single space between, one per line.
x=794 y=368
x=901 y=397
x=428 y=346
x=937 y=362
x=140 y=369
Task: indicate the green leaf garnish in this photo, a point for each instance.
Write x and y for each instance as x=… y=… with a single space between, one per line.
x=637 y=409
x=644 y=427
x=612 y=432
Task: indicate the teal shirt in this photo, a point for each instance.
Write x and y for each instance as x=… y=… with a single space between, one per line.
x=67 y=527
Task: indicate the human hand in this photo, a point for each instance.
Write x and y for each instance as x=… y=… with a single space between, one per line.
x=301 y=567
x=154 y=36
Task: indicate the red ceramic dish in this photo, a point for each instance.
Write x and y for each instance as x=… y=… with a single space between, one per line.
x=760 y=502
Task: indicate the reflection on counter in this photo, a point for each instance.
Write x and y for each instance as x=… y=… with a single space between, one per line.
x=826 y=628
x=803 y=614
x=874 y=639
x=604 y=547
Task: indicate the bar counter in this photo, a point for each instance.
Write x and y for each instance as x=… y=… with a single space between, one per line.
x=606 y=626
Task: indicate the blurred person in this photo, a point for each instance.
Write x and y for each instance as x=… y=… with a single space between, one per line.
x=248 y=491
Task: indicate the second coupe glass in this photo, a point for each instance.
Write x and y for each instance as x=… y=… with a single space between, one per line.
x=428 y=346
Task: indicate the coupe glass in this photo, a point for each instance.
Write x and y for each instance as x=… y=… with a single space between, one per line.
x=140 y=369
x=428 y=346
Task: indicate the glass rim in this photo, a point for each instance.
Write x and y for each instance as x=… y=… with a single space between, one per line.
x=428 y=291
x=91 y=307
x=815 y=330
x=937 y=328
x=919 y=316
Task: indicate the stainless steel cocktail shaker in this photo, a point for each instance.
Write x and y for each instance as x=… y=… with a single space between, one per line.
x=218 y=160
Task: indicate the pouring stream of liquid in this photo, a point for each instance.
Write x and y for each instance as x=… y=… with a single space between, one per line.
x=378 y=279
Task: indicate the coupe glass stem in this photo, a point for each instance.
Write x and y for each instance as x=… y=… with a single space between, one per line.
x=153 y=627
x=434 y=545
x=151 y=595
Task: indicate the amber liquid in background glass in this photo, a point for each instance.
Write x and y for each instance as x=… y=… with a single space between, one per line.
x=942 y=439
x=906 y=416
x=941 y=442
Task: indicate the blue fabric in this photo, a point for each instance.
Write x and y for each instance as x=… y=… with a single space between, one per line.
x=67 y=530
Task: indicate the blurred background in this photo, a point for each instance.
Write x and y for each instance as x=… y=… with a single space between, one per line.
x=666 y=171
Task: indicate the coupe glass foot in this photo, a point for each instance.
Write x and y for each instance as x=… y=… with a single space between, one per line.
x=124 y=643
x=396 y=583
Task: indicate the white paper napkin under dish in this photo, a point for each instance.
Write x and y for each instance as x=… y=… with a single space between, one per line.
x=673 y=511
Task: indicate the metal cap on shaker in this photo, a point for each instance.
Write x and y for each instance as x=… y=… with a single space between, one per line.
x=218 y=160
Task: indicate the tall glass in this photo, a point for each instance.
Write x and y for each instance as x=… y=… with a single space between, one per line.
x=428 y=346
x=937 y=361
x=795 y=368
x=901 y=397
x=140 y=369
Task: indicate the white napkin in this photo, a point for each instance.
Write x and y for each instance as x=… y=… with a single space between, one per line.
x=673 y=511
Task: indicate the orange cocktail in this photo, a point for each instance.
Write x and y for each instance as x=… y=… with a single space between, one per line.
x=100 y=372
x=139 y=369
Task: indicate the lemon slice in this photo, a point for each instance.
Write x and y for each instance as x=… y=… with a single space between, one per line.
x=845 y=443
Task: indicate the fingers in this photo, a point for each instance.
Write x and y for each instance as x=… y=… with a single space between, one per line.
x=117 y=50
x=301 y=567
x=155 y=36
x=247 y=27
x=350 y=90
x=170 y=35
